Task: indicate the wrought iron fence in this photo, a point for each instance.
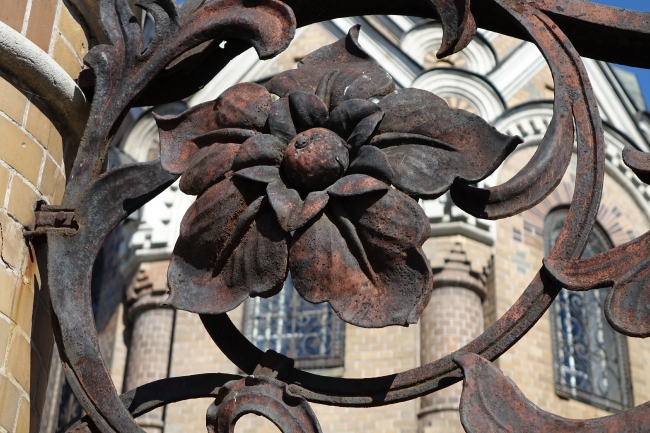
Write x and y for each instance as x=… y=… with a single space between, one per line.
x=322 y=179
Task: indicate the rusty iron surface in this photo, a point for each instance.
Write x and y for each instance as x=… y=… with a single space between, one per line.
x=537 y=297
x=319 y=162
x=150 y=396
x=49 y=219
x=263 y=396
x=123 y=67
x=318 y=173
x=108 y=201
x=626 y=268
x=263 y=393
x=491 y=403
x=597 y=31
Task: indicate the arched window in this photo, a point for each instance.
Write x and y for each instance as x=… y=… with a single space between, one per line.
x=311 y=334
x=590 y=358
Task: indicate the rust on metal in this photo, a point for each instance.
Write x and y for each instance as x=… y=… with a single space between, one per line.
x=492 y=403
x=318 y=173
x=52 y=218
x=323 y=169
x=626 y=268
x=263 y=396
x=123 y=69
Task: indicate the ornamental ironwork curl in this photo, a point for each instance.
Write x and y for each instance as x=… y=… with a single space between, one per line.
x=338 y=159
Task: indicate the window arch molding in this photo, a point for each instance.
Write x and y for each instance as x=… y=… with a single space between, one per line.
x=425 y=39
x=530 y=121
x=451 y=84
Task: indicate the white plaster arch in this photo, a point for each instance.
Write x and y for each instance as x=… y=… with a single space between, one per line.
x=529 y=121
x=426 y=39
x=453 y=85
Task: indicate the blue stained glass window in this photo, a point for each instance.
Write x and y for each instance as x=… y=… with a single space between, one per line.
x=590 y=357
x=311 y=334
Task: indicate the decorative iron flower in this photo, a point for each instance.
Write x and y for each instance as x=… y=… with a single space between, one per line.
x=304 y=184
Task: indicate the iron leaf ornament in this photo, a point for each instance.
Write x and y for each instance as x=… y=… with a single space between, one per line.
x=329 y=165
x=492 y=403
x=625 y=268
x=122 y=69
x=318 y=173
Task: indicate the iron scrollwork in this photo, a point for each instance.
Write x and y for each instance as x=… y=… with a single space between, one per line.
x=289 y=157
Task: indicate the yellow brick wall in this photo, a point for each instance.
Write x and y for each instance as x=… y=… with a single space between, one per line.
x=539 y=88
x=31 y=169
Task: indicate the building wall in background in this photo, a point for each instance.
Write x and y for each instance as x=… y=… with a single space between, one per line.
x=31 y=169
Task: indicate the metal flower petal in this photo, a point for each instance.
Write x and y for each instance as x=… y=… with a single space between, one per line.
x=292 y=212
x=230 y=247
x=208 y=167
x=430 y=145
x=259 y=150
x=337 y=73
x=357 y=241
x=373 y=162
x=238 y=113
x=356 y=184
x=363 y=255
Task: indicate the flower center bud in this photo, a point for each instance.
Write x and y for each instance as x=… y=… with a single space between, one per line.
x=315 y=159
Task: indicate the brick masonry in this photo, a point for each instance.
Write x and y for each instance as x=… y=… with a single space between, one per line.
x=151 y=334
x=453 y=318
x=32 y=168
x=149 y=356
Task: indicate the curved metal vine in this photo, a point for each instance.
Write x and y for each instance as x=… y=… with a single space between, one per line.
x=126 y=74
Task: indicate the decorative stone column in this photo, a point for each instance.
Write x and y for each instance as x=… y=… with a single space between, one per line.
x=453 y=318
x=151 y=335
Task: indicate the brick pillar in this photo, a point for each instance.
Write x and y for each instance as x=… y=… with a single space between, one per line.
x=452 y=319
x=151 y=336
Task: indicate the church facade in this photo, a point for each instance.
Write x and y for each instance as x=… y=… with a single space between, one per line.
x=572 y=363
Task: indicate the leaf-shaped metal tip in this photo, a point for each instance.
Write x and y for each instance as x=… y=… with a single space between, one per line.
x=625 y=267
x=272 y=27
x=262 y=173
x=352 y=42
x=459 y=27
x=492 y=402
x=639 y=162
x=356 y=184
